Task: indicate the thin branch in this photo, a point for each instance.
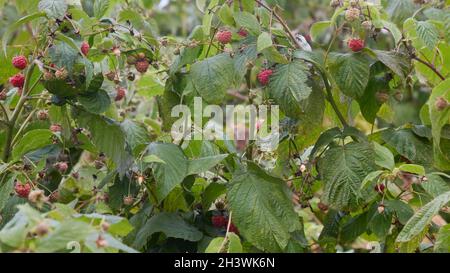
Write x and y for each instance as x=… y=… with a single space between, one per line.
x=432 y=67
x=331 y=99
x=282 y=22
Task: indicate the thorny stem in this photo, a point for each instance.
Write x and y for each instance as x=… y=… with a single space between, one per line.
x=429 y=65
x=281 y=21
x=331 y=100
x=16 y=113
x=225 y=240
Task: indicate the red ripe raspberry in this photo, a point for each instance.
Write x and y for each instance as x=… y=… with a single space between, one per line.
x=121 y=92
x=142 y=66
x=355 y=45
x=85 y=48
x=219 y=221
x=22 y=190
x=62 y=166
x=243 y=32
x=234 y=229
x=20 y=62
x=55 y=128
x=264 y=76
x=17 y=80
x=224 y=36
x=380 y=188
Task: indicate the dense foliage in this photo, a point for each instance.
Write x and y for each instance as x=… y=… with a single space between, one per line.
x=89 y=162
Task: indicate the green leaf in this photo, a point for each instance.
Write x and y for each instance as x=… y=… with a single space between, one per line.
x=208 y=16
x=408 y=145
x=211 y=193
x=13 y=27
x=442 y=244
x=351 y=73
x=63 y=55
x=370 y=178
x=422 y=218
x=214 y=245
x=395 y=31
x=6 y=189
x=100 y=8
x=234 y=243
x=136 y=135
x=53 y=8
x=264 y=41
x=428 y=33
x=262 y=208
x=381 y=223
x=397 y=62
x=171 y=224
x=318 y=28
x=107 y=136
x=435 y=185
x=288 y=86
x=400 y=10
x=248 y=21
x=95 y=102
x=200 y=165
x=412 y=168
x=172 y=172
x=212 y=77
x=401 y=209
x=67 y=231
x=343 y=168
x=153 y=159
x=383 y=157
x=32 y=141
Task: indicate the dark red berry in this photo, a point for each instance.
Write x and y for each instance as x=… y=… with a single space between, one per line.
x=22 y=190
x=17 y=80
x=219 y=221
x=380 y=188
x=355 y=45
x=85 y=48
x=224 y=36
x=20 y=62
x=264 y=76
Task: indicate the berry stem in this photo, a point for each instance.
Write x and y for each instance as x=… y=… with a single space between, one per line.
x=225 y=240
x=281 y=21
x=16 y=113
x=331 y=99
x=432 y=67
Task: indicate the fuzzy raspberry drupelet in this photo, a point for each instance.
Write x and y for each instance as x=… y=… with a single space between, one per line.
x=355 y=45
x=224 y=36
x=62 y=167
x=22 y=190
x=55 y=128
x=219 y=221
x=17 y=80
x=243 y=32
x=85 y=48
x=264 y=76
x=20 y=62
x=142 y=66
x=121 y=92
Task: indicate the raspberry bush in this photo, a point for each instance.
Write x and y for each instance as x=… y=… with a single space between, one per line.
x=86 y=94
